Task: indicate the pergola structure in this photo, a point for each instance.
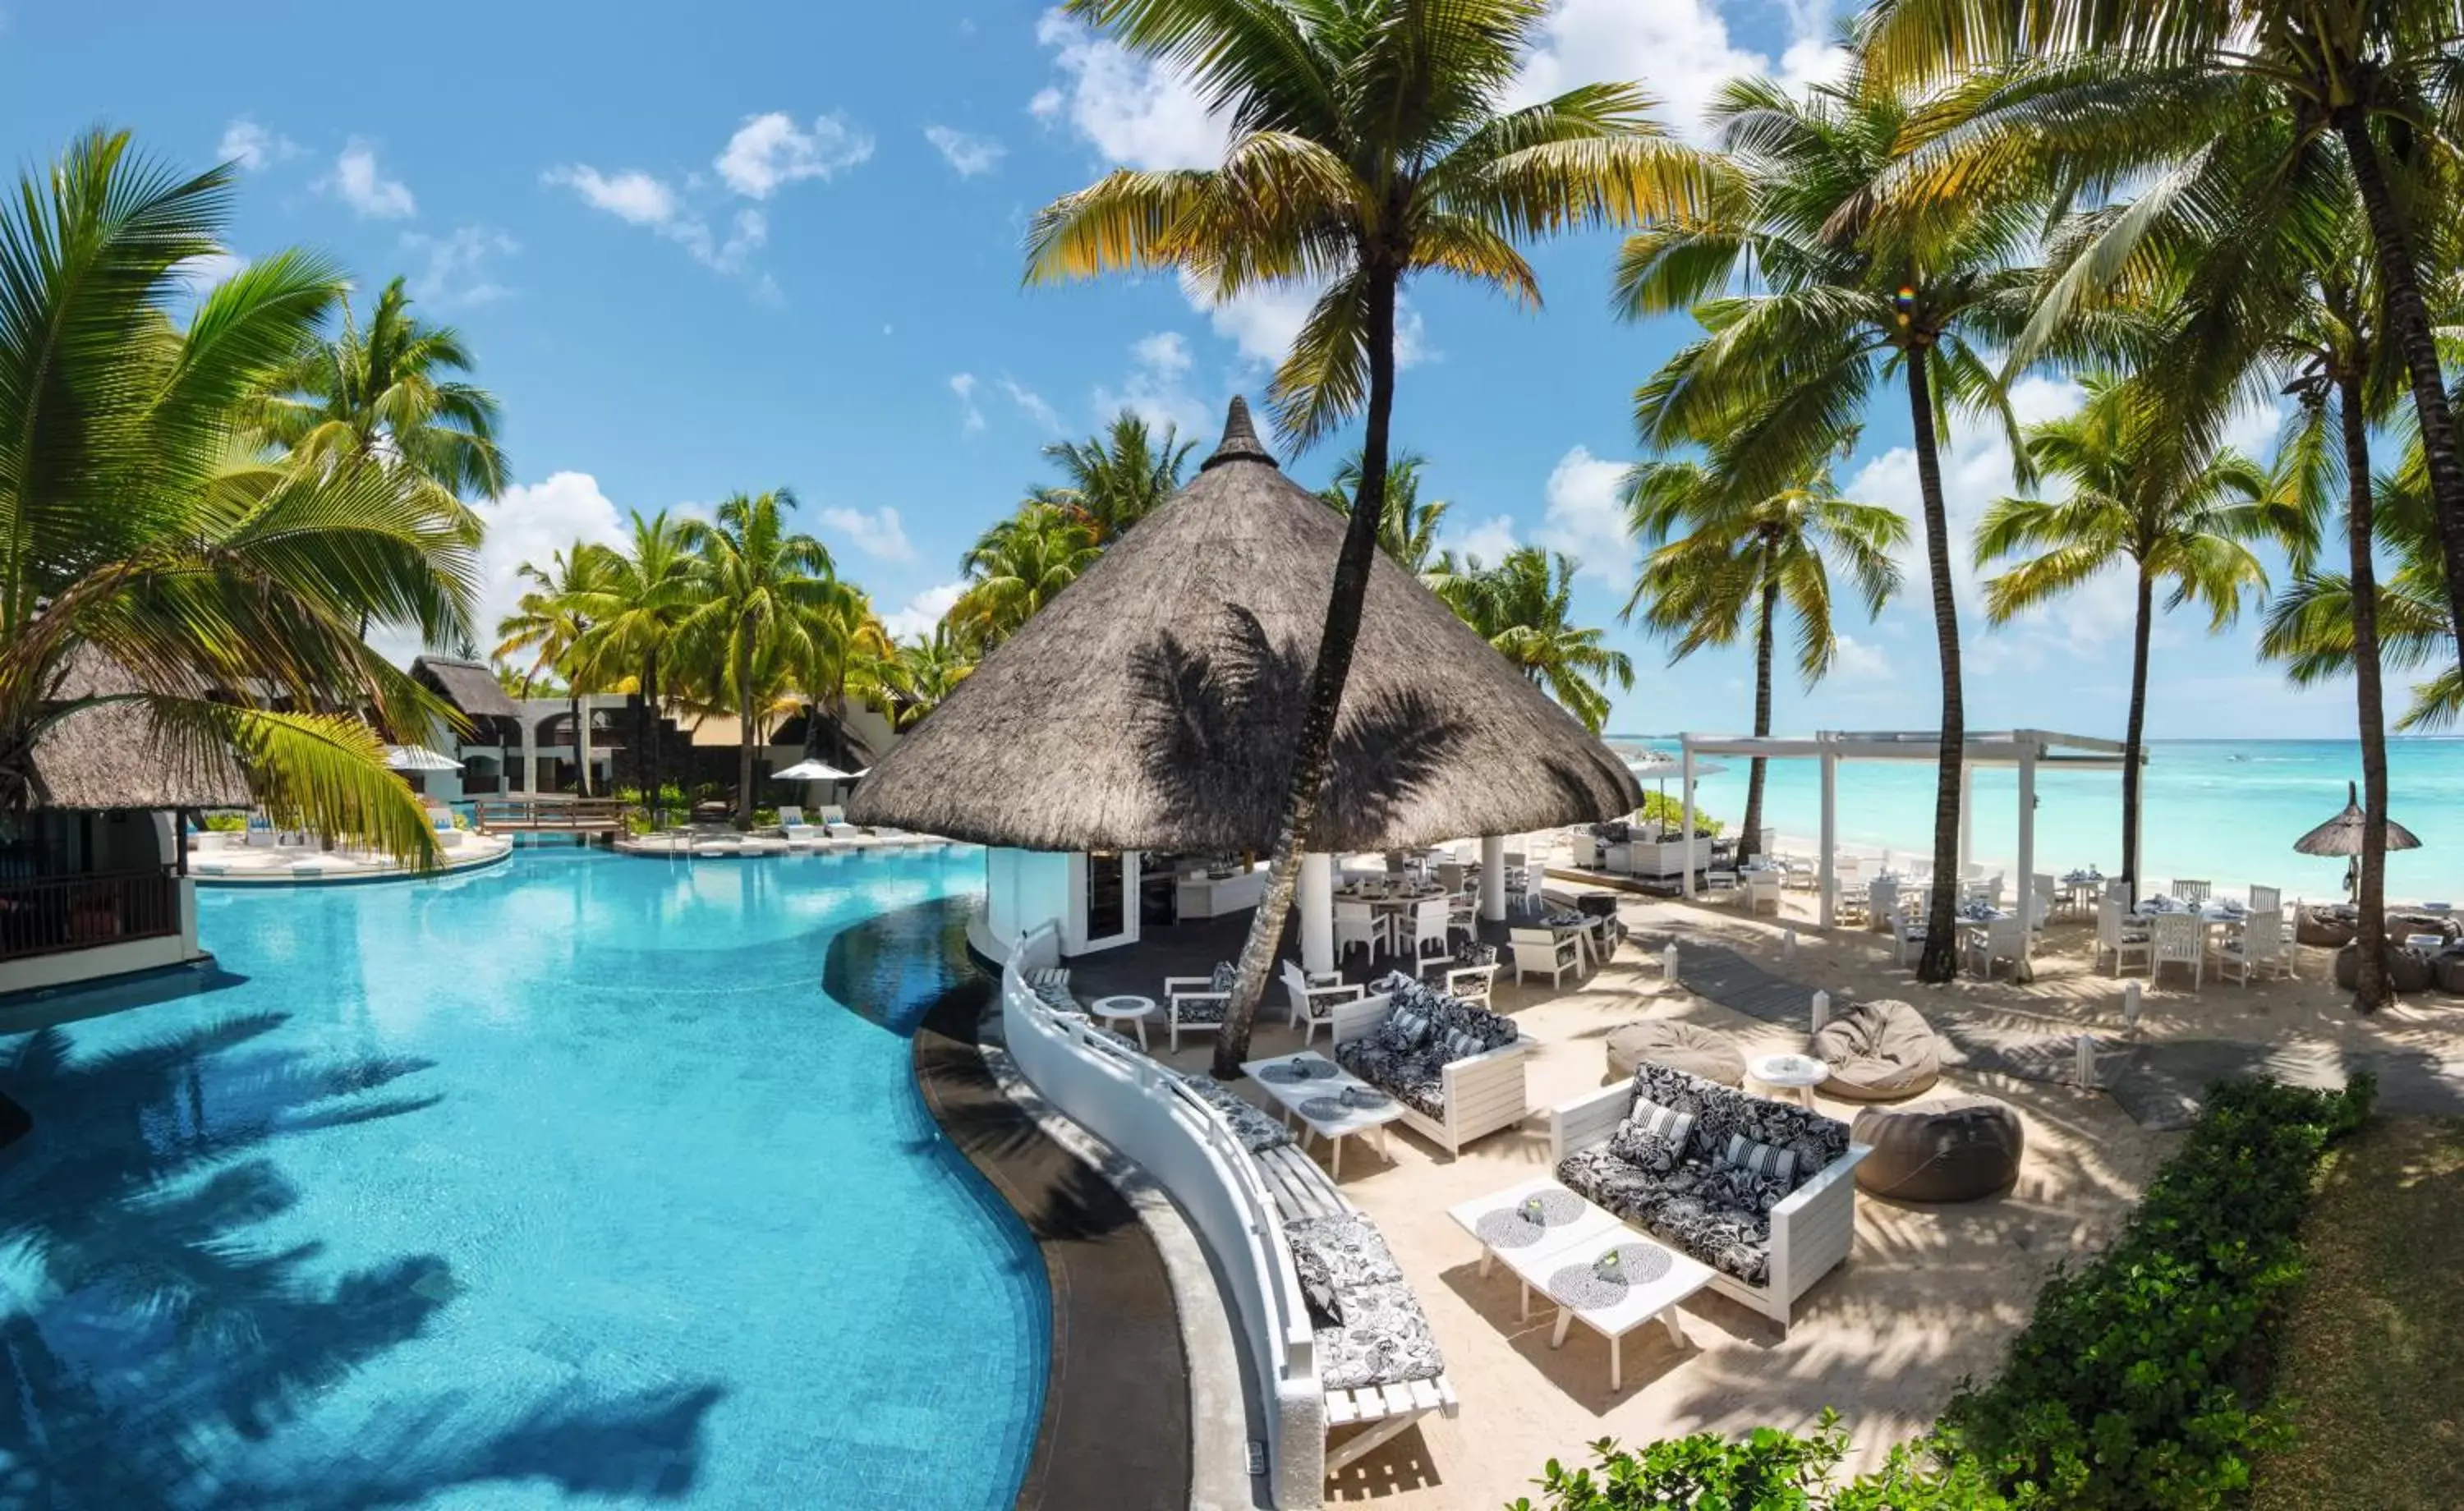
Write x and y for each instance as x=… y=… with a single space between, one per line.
x=2029 y=751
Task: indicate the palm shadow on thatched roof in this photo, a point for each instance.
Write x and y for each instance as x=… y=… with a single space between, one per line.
x=112 y=754
x=1156 y=702
x=467 y=684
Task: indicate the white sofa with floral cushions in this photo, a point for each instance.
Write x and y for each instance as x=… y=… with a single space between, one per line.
x=1762 y=1192
x=1456 y=1067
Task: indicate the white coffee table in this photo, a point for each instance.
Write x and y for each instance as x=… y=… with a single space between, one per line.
x=1795 y=1074
x=1125 y=1009
x=1496 y=1222
x=1327 y=1081
x=1657 y=1280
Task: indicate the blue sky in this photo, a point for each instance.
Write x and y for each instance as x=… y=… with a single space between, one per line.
x=719 y=248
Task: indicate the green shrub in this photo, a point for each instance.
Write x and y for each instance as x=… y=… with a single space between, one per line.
x=2135 y=1385
x=226 y=822
x=1767 y=1470
x=1661 y=808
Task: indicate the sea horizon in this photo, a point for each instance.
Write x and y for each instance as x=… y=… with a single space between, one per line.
x=2222 y=810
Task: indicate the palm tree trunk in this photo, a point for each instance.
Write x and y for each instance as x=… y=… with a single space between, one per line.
x=645 y=726
x=1748 y=843
x=1335 y=650
x=581 y=766
x=744 y=734
x=2408 y=317
x=2132 y=730
x=1940 y=961
x=2370 y=934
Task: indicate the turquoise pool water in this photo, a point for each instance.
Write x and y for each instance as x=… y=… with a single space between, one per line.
x=576 y=1181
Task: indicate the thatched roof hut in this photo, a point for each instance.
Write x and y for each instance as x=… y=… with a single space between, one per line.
x=470 y=685
x=110 y=754
x=1156 y=704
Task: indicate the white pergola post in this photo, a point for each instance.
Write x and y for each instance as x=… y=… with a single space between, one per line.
x=1686 y=825
x=1829 y=914
x=1966 y=822
x=2025 y=968
x=1492 y=876
x=1317 y=911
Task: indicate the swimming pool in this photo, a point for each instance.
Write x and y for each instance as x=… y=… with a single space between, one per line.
x=573 y=1178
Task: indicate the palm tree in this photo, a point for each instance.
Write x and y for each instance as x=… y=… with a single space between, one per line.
x=633 y=612
x=2179 y=520
x=852 y=655
x=1369 y=145
x=1117 y=478
x=2154 y=88
x=767 y=604
x=1790 y=364
x=384 y=393
x=1018 y=567
x=1523 y=608
x=139 y=533
x=1407 y=532
x=1724 y=562
x=553 y=622
x=924 y=672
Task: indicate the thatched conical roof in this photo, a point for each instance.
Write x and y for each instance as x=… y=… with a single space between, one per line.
x=2342 y=834
x=110 y=754
x=1156 y=704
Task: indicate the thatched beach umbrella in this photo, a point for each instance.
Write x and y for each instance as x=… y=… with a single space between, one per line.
x=2342 y=834
x=1155 y=705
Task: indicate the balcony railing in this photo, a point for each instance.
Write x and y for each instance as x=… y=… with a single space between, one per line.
x=79 y=912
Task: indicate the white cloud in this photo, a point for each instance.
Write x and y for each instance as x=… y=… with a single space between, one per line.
x=1860 y=661
x=923 y=611
x=1679 y=50
x=1166 y=352
x=768 y=152
x=457 y=270
x=966 y=152
x=747 y=234
x=971 y=415
x=208 y=273
x=878 y=533
x=254 y=147
x=1262 y=321
x=1031 y=403
x=1586 y=517
x=631 y=195
x=1487 y=542
x=362 y=186
x=531 y=523
x=1134 y=113
x=1156 y=388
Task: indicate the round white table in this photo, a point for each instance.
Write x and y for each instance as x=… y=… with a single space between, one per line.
x=1125 y=1009
x=1795 y=1074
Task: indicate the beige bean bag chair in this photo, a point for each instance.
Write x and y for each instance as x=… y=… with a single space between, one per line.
x=1689 y=1047
x=1947 y=1149
x=1878 y=1052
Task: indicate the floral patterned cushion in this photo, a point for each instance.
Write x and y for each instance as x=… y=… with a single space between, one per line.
x=1199 y=1009
x=1471 y=952
x=1721 y=1112
x=1346 y=1249
x=1413 y=1076
x=1225 y=973
x=1383 y=1340
x=1257 y=1130
x=1056 y=996
x=1730 y=1239
x=1746 y=1190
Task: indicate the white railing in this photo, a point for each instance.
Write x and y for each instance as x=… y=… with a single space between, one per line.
x=1134 y=1105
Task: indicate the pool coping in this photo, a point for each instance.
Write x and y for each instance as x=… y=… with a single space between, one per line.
x=1107 y=1435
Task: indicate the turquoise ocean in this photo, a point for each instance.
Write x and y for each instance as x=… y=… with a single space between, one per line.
x=2225 y=811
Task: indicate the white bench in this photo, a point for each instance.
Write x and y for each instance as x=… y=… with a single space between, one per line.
x=1482 y=1094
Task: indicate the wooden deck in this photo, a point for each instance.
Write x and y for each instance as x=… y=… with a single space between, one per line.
x=549 y=815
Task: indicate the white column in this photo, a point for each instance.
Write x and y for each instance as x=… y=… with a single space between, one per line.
x=1966 y=820
x=1830 y=838
x=2027 y=857
x=1685 y=824
x=1492 y=878
x=1317 y=911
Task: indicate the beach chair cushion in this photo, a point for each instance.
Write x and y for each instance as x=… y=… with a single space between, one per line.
x=1473 y=953
x=1413 y=1076
x=1694 y=1209
x=1055 y=995
x=1257 y=1130
x=1721 y=1112
x=1222 y=977
x=1463 y=1028
x=1377 y=1334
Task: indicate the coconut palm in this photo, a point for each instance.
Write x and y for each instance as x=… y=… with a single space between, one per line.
x=149 y=558
x=2155 y=88
x=1371 y=143
x=1523 y=608
x=853 y=656
x=631 y=612
x=924 y=672
x=767 y=607
x=1789 y=363
x=384 y=392
x=1017 y=567
x=553 y=621
x=1724 y=564
x=1115 y=479
x=2176 y=522
x=1407 y=530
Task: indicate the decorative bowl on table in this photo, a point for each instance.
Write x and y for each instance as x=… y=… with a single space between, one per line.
x=1325 y=1109
x=1289 y=1072
x=1367 y=1098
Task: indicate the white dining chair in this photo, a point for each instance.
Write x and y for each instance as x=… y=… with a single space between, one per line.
x=1762 y=886
x=2122 y=937
x=2260 y=947
x=1429 y=921
x=1907 y=938
x=1999 y=939
x=1360 y=924
x=2179 y=939
x=2266 y=900
x=2193 y=893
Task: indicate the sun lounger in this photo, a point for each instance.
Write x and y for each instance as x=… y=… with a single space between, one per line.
x=791 y=823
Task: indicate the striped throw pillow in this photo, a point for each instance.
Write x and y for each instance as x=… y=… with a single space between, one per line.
x=1760 y=1159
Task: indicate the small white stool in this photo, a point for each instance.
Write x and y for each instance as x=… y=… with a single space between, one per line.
x=1125 y=1010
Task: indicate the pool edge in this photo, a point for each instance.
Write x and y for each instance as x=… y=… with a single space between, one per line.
x=1106 y=1436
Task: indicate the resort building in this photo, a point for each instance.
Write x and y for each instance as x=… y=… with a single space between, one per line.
x=93 y=879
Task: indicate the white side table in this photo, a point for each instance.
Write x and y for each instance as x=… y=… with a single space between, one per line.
x=1797 y=1074
x=1125 y=1009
